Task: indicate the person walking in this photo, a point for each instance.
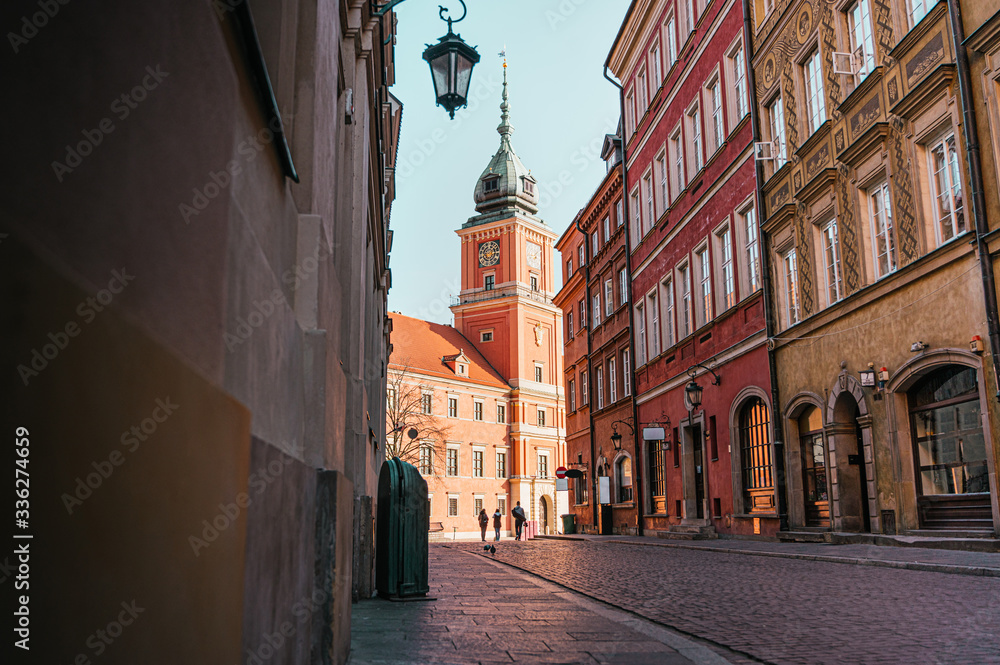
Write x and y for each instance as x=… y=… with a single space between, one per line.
x=519 y=519
x=496 y=523
x=484 y=521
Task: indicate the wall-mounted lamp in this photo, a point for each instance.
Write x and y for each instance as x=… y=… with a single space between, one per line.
x=616 y=438
x=694 y=391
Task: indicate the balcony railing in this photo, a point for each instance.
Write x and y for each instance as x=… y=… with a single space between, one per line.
x=481 y=295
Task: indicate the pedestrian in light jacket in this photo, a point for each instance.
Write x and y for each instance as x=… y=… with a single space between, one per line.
x=496 y=523
x=484 y=521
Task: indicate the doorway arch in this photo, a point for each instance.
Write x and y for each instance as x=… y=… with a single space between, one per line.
x=544 y=514
x=852 y=459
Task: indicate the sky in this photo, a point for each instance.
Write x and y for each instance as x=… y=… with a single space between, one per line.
x=561 y=107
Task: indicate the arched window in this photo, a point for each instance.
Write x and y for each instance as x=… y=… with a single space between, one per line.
x=814 y=468
x=623 y=478
x=950 y=450
x=755 y=457
x=657 y=476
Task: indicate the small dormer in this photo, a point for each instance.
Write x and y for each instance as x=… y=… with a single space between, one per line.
x=458 y=363
x=528 y=184
x=491 y=184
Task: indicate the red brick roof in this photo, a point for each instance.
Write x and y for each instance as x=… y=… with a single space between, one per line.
x=422 y=346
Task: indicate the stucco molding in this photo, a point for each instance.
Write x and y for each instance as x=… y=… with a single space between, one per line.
x=845 y=382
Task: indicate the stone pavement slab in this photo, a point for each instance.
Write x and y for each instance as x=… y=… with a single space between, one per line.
x=486 y=612
x=782 y=610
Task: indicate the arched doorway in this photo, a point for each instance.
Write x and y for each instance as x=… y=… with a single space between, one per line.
x=949 y=451
x=848 y=453
x=815 y=489
x=543 y=515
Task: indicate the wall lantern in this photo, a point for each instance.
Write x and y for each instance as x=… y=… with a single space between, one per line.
x=451 y=61
x=694 y=391
x=616 y=438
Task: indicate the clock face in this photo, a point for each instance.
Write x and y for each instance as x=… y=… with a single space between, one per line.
x=489 y=253
x=534 y=255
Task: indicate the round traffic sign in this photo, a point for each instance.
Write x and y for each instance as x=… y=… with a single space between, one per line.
x=561 y=472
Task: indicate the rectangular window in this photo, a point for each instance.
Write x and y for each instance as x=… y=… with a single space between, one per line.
x=831 y=257
x=636 y=215
x=752 y=248
x=390 y=397
x=580 y=490
x=583 y=313
x=425 y=403
x=694 y=129
x=677 y=155
x=453 y=407
x=569 y=268
x=502 y=504
x=727 y=273
x=815 y=102
x=662 y=178
x=656 y=71
x=486 y=336
x=640 y=316
x=688 y=16
x=626 y=373
x=452 y=506
x=501 y=413
x=607 y=228
x=595 y=243
x=629 y=112
x=597 y=309
x=538 y=373
x=668 y=312
x=543 y=465
x=685 y=313
x=776 y=119
x=580 y=250
x=918 y=10
x=715 y=98
x=501 y=465
x=477 y=463
x=426 y=460
x=619 y=213
x=488 y=281
x=477 y=505
x=569 y=325
x=452 y=461
x=477 y=410
x=949 y=212
x=534 y=282
x=654 y=328
x=738 y=63
x=599 y=379
x=650 y=217
x=862 y=43
x=541 y=417
x=612 y=382
x=609 y=298
x=623 y=286
x=791 y=288
x=584 y=389
x=641 y=89
x=884 y=244
x=671 y=40
x=571 y=394
x=704 y=309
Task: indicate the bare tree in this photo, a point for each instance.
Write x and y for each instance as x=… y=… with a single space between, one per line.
x=405 y=414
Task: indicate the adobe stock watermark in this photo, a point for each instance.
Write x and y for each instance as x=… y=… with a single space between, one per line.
x=230 y=512
x=581 y=158
x=121 y=107
x=101 y=639
x=218 y=181
x=31 y=25
x=59 y=340
x=301 y=610
x=565 y=9
x=131 y=439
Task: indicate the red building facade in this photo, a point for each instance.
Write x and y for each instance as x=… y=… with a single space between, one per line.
x=695 y=270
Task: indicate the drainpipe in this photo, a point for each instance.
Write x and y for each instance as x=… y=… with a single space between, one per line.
x=595 y=494
x=639 y=493
x=976 y=181
x=769 y=322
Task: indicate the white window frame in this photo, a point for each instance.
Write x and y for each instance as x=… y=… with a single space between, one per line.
x=830 y=248
x=676 y=150
x=640 y=316
x=693 y=116
x=584 y=389
x=571 y=393
x=776 y=125
x=670 y=27
x=747 y=216
x=607 y=228
x=642 y=93
x=623 y=285
x=727 y=267
x=812 y=73
x=653 y=312
x=738 y=73
x=713 y=92
x=597 y=308
x=859 y=22
x=477 y=415
x=609 y=298
x=648 y=220
x=481 y=450
x=704 y=306
x=626 y=373
x=662 y=176
x=946 y=225
x=655 y=66
x=599 y=381
x=789 y=262
x=685 y=321
x=669 y=311
x=917 y=10
x=612 y=382
x=620 y=212
x=882 y=228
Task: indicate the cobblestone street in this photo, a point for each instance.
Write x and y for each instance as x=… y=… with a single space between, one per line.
x=784 y=610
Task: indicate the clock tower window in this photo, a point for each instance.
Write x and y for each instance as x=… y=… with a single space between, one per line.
x=488 y=281
x=534 y=282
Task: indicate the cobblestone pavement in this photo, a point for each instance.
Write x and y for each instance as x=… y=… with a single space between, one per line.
x=782 y=610
x=489 y=613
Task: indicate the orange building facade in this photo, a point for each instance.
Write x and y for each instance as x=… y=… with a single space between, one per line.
x=505 y=315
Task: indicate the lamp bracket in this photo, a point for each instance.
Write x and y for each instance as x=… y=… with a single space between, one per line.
x=625 y=422
x=716 y=380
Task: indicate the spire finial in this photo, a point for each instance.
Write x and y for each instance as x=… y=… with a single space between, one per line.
x=505 y=130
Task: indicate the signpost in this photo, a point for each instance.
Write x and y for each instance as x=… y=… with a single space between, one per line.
x=561 y=472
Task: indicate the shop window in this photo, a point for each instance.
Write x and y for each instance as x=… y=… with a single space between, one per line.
x=623 y=478
x=755 y=457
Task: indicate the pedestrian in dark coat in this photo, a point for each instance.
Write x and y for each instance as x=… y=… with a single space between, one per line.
x=519 y=519
x=484 y=521
x=496 y=523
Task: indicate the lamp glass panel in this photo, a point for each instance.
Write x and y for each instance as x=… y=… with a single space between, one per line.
x=463 y=76
x=439 y=71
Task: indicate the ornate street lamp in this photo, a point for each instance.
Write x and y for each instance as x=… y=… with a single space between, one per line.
x=616 y=440
x=451 y=61
x=693 y=390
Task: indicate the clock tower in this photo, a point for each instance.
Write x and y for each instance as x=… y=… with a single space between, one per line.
x=505 y=307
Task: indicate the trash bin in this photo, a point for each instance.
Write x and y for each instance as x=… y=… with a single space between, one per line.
x=401 y=531
x=569 y=523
